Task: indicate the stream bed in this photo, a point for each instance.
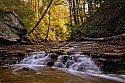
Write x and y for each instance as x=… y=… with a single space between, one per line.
x=62 y=62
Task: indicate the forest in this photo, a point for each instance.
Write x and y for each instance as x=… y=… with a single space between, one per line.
x=59 y=20
x=62 y=41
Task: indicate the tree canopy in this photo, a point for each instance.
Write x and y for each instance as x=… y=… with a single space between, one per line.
x=57 y=20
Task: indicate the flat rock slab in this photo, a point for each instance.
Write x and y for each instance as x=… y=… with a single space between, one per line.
x=47 y=75
x=89 y=47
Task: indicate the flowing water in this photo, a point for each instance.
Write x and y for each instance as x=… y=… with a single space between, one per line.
x=56 y=67
x=36 y=58
x=76 y=63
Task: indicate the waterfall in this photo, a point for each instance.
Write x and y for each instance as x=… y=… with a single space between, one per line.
x=36 y=58
x=59 y=62
x=77 y=61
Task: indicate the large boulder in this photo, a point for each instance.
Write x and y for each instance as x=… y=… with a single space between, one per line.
x=11 y=28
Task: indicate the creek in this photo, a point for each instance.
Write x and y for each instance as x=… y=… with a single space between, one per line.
x=58 y=65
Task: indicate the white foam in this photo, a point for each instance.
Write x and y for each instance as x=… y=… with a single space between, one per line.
x=114 y=77
x=111 y=77
x=17 y=67
x=77 y=64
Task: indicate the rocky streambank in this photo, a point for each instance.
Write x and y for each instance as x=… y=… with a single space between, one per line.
x=108 y=56
x=47 y=75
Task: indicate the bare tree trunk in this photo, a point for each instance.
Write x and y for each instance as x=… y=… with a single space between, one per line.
x=36 y=10
x=74 y=12
x=84 y=9
x=41 y=17
x=90 y=7
x=81 y=17
x=70 y=9
x=77 y=11
x=48 y=28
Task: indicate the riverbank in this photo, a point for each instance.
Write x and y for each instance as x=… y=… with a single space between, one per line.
x=110 y=57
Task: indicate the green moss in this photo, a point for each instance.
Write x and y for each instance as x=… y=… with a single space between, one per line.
x=108 y=20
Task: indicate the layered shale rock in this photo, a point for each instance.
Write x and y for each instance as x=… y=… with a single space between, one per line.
x=11 y=28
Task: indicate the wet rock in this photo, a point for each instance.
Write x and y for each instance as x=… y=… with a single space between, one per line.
x=50 y=63
x=2 y=62
x=100 y=59
x=54 y=56
x=123 y=55
x=55 y=47
x=26 y=68
x=59 y=51
x=6 y=67
x=112 y=54
x=10 y=58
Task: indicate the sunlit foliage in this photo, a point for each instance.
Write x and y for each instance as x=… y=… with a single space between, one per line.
x=68 y=18
x=29 y=12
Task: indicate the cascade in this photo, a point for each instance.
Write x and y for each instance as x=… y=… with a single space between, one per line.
x=77 y=61
x=36 y=58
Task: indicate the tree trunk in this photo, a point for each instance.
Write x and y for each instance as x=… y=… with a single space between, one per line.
x=41 y=17
x=70 y=9
x=84 y=9
x=48 y=28
x=74 y=12
x=36 y=10
x=77 y=11
x=90 y=8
